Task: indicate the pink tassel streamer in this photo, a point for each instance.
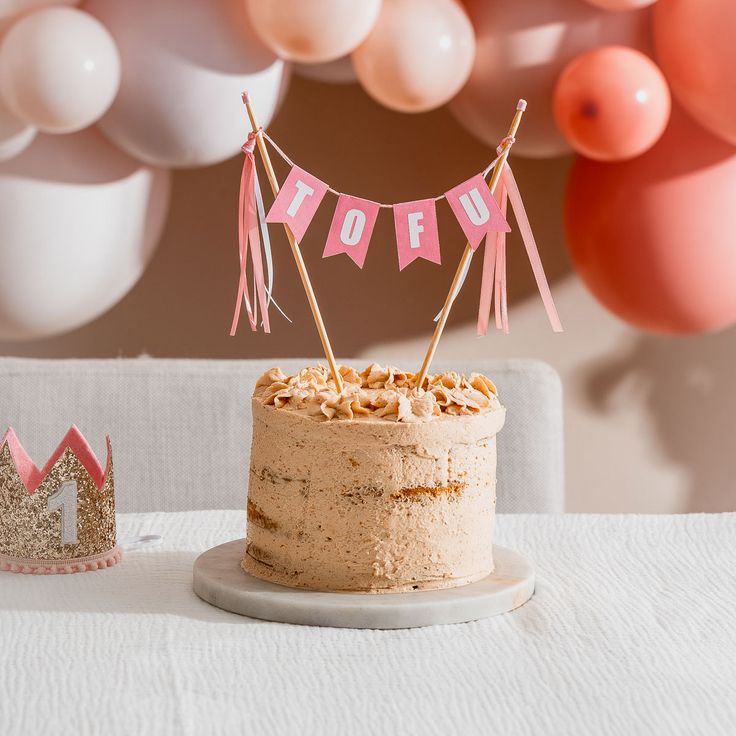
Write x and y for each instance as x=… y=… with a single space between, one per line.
x=249 y=241
x=494 y=264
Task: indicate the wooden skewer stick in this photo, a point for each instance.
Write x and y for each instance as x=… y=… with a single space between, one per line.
x=468 y=253
x=300 y=265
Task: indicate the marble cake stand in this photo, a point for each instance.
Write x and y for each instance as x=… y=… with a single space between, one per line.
x=219 y=580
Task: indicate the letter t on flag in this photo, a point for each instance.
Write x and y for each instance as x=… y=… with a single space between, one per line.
x=297 y=201
x=351 y=229
x=416 y=232
x=476 y=210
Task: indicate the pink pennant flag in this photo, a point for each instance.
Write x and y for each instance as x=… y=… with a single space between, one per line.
x=351 y=229
x=416 y=232
x=476 y=210
x=297 y=201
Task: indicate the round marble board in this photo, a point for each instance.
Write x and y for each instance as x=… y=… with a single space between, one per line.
x=219 y=580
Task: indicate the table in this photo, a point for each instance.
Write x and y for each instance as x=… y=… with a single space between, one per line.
x=632 y=630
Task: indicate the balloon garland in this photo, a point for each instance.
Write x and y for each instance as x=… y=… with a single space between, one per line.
x=161 y=80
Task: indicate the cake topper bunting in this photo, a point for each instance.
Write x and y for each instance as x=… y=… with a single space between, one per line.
x=478 y=207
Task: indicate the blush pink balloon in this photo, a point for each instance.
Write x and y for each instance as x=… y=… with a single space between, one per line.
x=651 y=236
x=418 y=55
x=316 y=31
x=695 y=41
x=612 y=103
x=621 y=4
x=522 y=47
x=59 y=69
x=11 y=10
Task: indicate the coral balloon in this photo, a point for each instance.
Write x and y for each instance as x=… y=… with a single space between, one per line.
x=15 y=135
x=621 y=4
x=185 y=64
x=79 y=221
x=523 y=45
x=650 y=236
x=418 y=55
x=696 y=48
x=316 y=31
x=59 y=69
x=612 y=103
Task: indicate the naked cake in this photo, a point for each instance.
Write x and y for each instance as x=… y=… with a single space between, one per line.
x=380 y=488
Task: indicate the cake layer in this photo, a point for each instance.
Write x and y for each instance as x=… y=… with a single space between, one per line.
x=372 y=503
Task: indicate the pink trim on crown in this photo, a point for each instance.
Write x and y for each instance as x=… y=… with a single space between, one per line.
x=61 y=567
x=32 y=477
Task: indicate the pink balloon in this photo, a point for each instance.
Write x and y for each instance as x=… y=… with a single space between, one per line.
x=612 y=103
x=621 y=4
x=316 y=31
x=418 y=55
x=651 y=236
x=59 y=69
x=523 y=45
x=695 y=42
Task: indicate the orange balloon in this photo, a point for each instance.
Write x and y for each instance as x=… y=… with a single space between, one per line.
x=418 y=55
x=313 y=31
x=695 y=42
x=651 y=236
x=523 y=46
x=612 y=103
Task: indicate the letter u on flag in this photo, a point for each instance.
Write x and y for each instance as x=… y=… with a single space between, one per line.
x=351 y=229
x=416 y=232
x=297 y=201
x=476 y=210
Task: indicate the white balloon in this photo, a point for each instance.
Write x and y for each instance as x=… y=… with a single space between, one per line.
x=339 y=71
x=79 y=221
x=15 y=135
x=11 y=10
x=59 y=69
x=185 y=64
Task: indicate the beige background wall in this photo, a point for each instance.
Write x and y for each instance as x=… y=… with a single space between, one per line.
x=649 y=420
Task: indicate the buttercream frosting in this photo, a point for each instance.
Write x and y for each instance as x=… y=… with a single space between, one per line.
x=378 y=392
x=381 y=488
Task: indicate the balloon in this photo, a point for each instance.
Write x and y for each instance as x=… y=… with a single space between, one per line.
x=59 y=69
x=15 y=135
x=612 y=103
x=315 y=31
x=185 y=65
x=523 y=45
x=79 y=221
x=651 y=236
x=11 y=10
x=339 y=71
x=417 y=56
x=621 y=4
x=696 y=49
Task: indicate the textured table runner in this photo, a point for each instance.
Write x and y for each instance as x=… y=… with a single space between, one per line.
x=632 y=630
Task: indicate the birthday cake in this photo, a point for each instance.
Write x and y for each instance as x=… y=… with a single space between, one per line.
x=379 y=488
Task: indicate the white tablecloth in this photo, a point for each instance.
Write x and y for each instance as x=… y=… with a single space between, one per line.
x=632 y=630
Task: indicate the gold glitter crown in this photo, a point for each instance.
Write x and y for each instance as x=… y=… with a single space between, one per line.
x=59 y=519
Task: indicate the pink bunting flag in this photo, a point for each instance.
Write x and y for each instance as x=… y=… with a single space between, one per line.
x=494 y=263
x=249 y=242
x=476 y=210
x=297 y=201
x=416 y=232
x=352 y=227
